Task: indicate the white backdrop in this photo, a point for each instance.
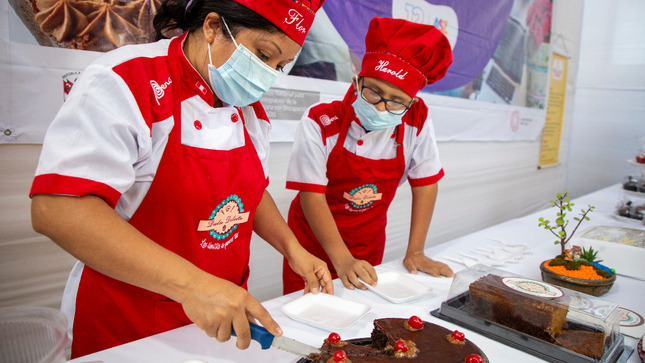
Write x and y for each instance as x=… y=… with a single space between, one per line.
x=609 y=118
x=486 y=183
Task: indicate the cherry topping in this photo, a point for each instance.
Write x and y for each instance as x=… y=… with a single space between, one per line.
x=457 y=335
x=474 y=358
x=415 y=322
x=334 y=338
x=340 y=356
x=401 y=346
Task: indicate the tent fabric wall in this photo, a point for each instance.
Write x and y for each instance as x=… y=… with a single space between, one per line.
x=486 y=183
x=608 y=125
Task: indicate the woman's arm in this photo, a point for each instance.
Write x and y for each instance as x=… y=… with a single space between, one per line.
x=91 y=231
x=423 y=201
x=270 y=226
x=322 y=223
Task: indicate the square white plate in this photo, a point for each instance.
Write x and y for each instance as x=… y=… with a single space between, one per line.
x=398 y=288
x=325 y=311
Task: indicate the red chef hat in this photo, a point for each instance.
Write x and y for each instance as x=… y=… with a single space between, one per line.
x=294 y=17
x=406 y=54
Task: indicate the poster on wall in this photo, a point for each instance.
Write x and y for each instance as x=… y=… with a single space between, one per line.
x=496 y=88
x=549 y=153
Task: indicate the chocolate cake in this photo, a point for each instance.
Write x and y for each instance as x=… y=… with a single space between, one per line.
x=429 y=343
x=99 y=25
x=587 y=343
x=493 y=300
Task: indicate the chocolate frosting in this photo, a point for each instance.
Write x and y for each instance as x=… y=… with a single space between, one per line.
x=100 y=25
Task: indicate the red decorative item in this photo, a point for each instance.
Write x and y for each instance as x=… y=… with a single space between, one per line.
x=340 y=356
x=415 y=322
x=474 y=358
x=457 y=335
x=400 y=346
x=334 y=338
x=640 y=159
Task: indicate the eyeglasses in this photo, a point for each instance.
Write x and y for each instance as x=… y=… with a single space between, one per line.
x=391 y=106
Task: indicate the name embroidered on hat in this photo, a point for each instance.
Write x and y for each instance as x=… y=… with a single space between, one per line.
x=382 y=66
x=293 y=17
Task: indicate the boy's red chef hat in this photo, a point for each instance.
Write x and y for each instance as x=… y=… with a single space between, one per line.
x=406 y=54
x=294 y=17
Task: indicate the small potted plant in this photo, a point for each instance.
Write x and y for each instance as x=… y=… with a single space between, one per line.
x=575 y=268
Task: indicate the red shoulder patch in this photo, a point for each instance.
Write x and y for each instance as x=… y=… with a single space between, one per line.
x=149 y=81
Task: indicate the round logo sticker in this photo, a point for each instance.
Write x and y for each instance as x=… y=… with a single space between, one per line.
x=532 y=287
x=363 y=196
x=630 y=318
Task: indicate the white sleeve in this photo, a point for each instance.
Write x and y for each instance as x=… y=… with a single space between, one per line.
x=424 y=166
x=308 y=163
x=96 y=138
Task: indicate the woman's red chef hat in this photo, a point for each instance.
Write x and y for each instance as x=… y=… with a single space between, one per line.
x=294 y=17
x=406 y=54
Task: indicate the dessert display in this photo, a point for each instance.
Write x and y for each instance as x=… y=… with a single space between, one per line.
x=548 y=321
x=632 y=209
x=492 y=299
x=636 y=183
x=99 y=25
x=397 y=339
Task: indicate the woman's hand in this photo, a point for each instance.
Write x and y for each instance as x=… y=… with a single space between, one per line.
x=94 y=233
x=216 y=305
x=419 y=262
x=313 y=270
x=350 y=269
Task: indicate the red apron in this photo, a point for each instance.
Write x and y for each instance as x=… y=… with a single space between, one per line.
x=359 y=192
x=200 y=205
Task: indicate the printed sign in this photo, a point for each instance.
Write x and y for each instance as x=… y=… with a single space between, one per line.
x=532 y=287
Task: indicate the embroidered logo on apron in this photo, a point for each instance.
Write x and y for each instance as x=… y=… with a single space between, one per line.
x=224 y=218
x=363 y=196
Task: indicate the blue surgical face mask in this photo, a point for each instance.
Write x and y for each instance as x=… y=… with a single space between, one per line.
x=371 y=118
x=243 y=79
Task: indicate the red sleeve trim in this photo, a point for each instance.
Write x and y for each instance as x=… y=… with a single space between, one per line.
x=426 y=181
x=305 y=187
x=73 y=186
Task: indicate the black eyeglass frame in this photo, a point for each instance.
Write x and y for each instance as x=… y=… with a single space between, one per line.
x=385 y=100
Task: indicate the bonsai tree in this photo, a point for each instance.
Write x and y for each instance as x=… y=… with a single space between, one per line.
x=559 y=229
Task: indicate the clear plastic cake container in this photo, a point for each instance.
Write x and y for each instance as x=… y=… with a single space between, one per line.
x=548 y=321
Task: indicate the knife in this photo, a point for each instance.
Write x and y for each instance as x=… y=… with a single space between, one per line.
x=268 y=340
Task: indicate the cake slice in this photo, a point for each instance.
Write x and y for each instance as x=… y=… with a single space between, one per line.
x=586 y=343
x=493 y=300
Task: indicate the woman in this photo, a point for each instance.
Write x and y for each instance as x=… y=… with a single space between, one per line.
x=350 y=156
x=153 y=175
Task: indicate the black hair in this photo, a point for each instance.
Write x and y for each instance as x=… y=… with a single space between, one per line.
x=175 y=16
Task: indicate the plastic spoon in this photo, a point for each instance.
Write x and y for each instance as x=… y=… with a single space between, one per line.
x=464 y=261
x=483 y=260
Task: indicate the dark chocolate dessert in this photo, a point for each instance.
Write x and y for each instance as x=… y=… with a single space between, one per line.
x=396 y=339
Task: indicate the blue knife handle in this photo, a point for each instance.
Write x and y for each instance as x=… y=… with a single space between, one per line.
x=260 y=335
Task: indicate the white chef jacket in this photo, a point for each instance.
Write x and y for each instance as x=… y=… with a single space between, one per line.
x=109 y=135
x=317 y=135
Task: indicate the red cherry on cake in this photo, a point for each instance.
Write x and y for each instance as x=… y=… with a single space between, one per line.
x=400 y=346
x=474 y=358
x=457 y=335
x=334 y=338
x=415 y=322
x=340 y=356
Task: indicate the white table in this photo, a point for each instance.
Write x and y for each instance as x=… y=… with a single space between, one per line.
x=189 y=342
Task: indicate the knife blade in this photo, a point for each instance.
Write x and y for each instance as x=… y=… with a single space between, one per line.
x=268 y=340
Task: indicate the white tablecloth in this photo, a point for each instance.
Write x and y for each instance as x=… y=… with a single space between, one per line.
x=189 y=342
